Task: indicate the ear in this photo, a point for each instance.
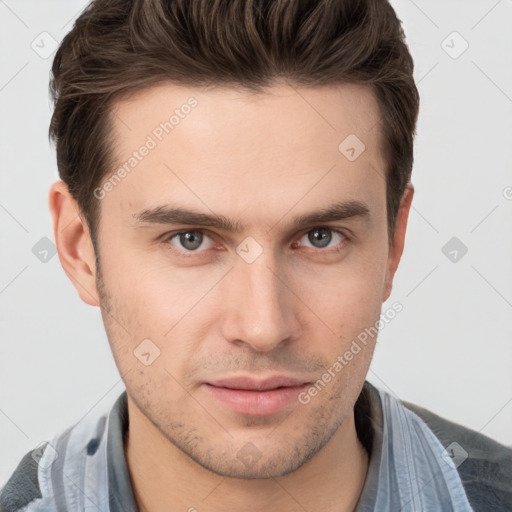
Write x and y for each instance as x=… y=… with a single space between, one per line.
x=397 y=245
x=74 y=244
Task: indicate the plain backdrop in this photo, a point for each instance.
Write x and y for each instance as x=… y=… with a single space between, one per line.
x=449 y=350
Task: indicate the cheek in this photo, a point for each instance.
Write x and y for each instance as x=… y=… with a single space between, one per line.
x=144 y=285
x=170 y=306
x=349 y=303
x=346 y=296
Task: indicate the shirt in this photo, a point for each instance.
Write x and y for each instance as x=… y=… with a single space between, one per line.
x=417 y=462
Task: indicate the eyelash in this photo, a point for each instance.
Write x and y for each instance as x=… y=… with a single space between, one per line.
x=190 y=254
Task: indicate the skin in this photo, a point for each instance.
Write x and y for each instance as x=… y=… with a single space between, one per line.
x=261 y=160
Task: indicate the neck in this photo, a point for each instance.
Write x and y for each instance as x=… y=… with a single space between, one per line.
x=166 y=479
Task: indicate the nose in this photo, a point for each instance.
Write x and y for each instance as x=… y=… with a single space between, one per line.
x=259 y=306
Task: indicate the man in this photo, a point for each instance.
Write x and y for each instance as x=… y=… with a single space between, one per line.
x=234 y=197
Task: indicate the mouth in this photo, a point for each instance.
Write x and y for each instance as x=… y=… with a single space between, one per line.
x=253 y=397
x=250 y=384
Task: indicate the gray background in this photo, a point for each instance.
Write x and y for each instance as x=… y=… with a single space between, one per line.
x=449 y=349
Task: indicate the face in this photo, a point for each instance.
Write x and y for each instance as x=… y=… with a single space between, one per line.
x=248 y=240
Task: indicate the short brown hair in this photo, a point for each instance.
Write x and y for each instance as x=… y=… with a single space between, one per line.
x=121 y=46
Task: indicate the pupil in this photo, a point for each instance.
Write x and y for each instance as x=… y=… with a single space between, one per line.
x=191 y=240
x=320 y=237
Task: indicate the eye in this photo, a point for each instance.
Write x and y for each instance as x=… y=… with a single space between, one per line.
x=321 y=237
x=190 y=241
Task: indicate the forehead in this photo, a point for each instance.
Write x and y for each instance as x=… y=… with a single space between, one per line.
x=226 y=148
x=341 y=109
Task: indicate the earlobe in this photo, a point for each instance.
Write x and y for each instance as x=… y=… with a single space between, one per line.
x=74 y=244
x=397 y=246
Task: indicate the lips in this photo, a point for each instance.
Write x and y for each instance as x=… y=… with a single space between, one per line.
x=255 y=397
x=247 y=383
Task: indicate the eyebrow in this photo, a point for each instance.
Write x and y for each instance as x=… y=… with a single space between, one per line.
x=176 y=215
